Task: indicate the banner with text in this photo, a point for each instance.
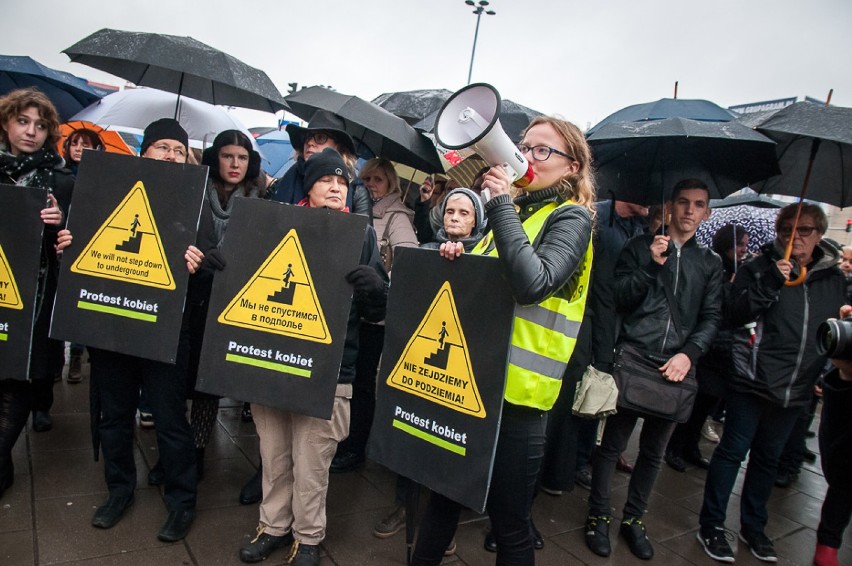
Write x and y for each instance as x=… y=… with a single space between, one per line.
x=20 y=256
x=443 y=371
x=278 y=312
x=123 y=281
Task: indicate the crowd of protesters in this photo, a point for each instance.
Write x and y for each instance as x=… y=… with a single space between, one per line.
x=730 y=325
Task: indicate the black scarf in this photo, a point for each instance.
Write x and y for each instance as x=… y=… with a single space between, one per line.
x=29 y=169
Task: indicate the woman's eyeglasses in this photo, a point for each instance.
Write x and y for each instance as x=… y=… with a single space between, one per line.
x=803 y=231
x=318 y=138
x=542 y=152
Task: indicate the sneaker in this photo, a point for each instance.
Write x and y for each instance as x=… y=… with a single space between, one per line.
x=785 y=479
x=760 y=545
x=146 y=420
x=708 y=432
x=633 y=531
x=584 y=478
x=263 y=545
x=597 y=535
x=551 y=491
x=391 y=524
x=451 y=548
x=305 y=555
x=715 y=543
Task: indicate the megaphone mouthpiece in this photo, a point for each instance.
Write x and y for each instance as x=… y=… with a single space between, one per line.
x=470 y=118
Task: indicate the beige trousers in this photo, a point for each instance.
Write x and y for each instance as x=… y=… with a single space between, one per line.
x=297 y=451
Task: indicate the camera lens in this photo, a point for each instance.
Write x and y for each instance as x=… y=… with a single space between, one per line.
x=834 y=338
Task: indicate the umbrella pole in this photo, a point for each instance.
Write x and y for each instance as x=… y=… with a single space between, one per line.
x=803 y=271
x=177 y=103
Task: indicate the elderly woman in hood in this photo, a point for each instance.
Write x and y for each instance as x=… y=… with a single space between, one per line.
x=463 y=220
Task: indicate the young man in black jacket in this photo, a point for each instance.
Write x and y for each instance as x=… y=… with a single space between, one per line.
x=647 y=265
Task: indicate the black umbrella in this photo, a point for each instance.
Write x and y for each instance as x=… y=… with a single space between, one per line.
x=376 y=131
x=413 y=105
x=177 y=64
x=68 y=93
x=641 y=161
x=812 y=135
x=701 y=110
x=514 y=118
x=746 y=197
x=815 y=154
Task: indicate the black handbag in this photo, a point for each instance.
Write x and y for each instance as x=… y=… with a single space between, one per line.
x=641 y=386
x=643 y=389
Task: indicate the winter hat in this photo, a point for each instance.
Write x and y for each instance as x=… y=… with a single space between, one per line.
x=163 y=129
x=478 y=209
x=321 y=121
x=327 y=162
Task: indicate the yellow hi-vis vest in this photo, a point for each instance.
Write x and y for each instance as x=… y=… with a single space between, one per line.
x=544 y=334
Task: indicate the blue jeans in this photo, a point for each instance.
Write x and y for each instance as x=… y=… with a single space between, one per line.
x=752 y=425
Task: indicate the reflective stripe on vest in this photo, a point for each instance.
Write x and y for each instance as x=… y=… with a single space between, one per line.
x=544 y=334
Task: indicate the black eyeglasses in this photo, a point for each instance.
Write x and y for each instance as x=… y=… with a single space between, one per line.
x=803 y=231
x=542 y=152
x=318 y=137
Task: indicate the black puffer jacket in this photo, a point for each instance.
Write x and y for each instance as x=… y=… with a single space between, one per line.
x=537 y=270
x=694 y=273
x=782 y=364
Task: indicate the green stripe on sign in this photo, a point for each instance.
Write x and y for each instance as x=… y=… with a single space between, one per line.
x=85 y=305
x=283 y=368
x=429 y=438
x=4 y=337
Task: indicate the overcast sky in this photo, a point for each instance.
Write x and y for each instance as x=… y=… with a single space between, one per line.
x=580 y=60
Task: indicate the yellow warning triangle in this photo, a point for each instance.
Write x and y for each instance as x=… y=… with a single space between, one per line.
x=127 y=247
x=280 y=297
x=10 y=298
x=435 y=364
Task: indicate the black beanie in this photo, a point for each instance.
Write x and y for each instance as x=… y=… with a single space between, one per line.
x=326 y=162
x=164 y=129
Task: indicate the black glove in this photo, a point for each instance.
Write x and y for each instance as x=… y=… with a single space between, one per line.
x=215 y=258
x=366 y=280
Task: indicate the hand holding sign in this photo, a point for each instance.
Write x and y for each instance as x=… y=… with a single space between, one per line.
x=52 y=215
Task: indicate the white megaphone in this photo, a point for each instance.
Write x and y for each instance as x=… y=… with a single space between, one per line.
x=471 y=118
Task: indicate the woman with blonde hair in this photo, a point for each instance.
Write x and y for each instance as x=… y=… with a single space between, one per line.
x=545 y=251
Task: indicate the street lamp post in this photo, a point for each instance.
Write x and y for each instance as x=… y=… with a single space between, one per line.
x=480 y=8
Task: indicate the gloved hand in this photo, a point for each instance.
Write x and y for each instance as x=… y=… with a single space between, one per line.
x=215 y=258
x=365 y=279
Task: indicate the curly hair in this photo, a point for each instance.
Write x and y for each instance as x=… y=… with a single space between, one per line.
x=579 y=186
x=17 y=101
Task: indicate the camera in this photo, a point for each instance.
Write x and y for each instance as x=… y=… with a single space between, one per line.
x=834 y=338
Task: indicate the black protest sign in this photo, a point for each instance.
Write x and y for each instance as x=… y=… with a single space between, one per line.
x=123 y=281
x=278 y=312
x=440 y=390
x=20 y=256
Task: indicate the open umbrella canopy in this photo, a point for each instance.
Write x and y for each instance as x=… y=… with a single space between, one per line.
x=697 y=109
x=805 y=131
x=68 y=93
x=112 y=140
x=747 y=197
x=178 y=64
x=641 y=162
x=137 y=107
x=758 y=222
x=376 y=131
x=276 y=151
x=413 y=105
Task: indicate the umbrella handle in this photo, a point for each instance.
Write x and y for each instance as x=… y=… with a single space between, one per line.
x=798 y=280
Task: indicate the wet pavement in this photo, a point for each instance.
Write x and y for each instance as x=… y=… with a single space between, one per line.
x=45 y=516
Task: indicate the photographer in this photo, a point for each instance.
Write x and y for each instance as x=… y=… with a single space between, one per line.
x=835 y=444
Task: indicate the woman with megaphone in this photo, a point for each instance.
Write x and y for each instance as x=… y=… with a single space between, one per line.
x=542 y=237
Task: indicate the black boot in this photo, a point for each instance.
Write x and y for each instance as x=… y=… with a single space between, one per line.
x=14 y=411
x=199 y=462
x=252 y=492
